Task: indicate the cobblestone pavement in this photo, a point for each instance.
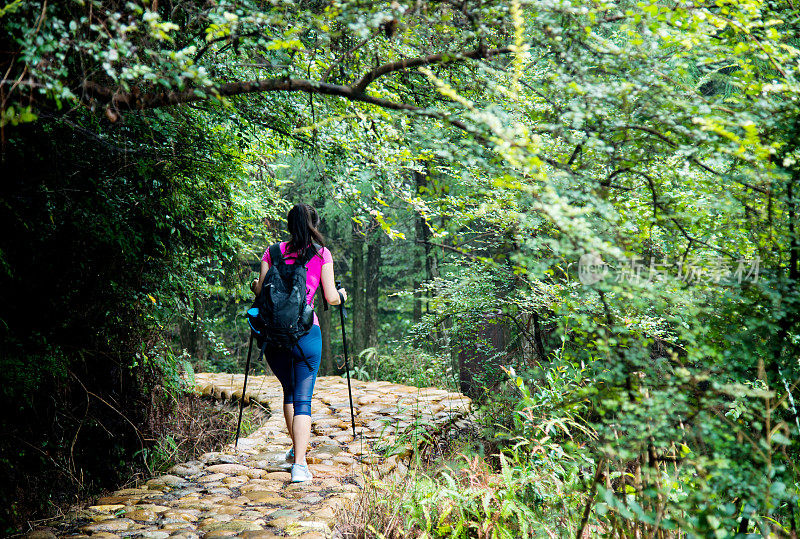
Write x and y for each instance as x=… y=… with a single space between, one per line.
x=246 y=491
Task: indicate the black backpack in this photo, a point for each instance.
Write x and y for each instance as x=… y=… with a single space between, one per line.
x=280 y=315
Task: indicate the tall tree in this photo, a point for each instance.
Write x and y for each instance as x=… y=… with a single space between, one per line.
x=358 y=289
x=372 y=295
x=421 y=248
x=327 y=366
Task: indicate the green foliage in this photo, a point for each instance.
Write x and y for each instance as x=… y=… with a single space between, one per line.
x=10 y=7
x=626 y=155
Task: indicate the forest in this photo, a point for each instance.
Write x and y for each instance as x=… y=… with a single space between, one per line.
x=582 y=214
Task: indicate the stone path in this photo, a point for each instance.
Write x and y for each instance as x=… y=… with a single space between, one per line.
x=246 y=492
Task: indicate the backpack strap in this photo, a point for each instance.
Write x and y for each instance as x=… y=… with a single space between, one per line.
x=275 y=255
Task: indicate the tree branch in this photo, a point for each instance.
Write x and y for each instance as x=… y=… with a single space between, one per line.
x=691 y=239
x=139 y=101
x=443 y=58
x=217 y=40
x=136 y=101
x=346 y=54
x=449 y=248
x=694 y=160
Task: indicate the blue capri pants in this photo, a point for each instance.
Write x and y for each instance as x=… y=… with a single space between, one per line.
x=298 y=382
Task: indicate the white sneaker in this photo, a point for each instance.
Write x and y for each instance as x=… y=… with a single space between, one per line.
x=300 y=473
x=290 y=455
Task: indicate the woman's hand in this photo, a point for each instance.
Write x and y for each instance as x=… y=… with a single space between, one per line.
x=342 y=294
x=253 y=285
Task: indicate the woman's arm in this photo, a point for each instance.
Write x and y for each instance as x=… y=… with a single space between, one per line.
x=255 y=286
x=329 y=286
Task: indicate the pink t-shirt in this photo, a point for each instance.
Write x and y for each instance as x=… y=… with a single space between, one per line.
x=313 y=270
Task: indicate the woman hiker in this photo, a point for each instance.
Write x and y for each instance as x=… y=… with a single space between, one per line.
x=298 y=382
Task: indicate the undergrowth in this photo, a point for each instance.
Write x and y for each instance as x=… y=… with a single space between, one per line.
x=464 y=494
x=194 y=426
x=506 y=475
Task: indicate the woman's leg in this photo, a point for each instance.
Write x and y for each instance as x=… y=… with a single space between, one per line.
x=288 y=416
x=305 y=375
x=280 y=362
x=302 y=434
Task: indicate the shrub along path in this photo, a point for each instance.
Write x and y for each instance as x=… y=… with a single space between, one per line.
x=246 y=491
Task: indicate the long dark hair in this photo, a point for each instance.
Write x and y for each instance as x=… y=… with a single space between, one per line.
x=303 y=222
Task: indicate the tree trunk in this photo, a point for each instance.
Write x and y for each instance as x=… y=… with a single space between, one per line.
x=194 y=345
x=481 y=353
x=190 y=331
x=419 y=248
x=417 y=315
x=373 y=271
x=357 y=248
x=417 y=282
x=324 y=316
x=431 y=264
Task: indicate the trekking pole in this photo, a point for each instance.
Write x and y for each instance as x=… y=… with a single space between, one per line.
x=244 y=388
x=346 y=365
